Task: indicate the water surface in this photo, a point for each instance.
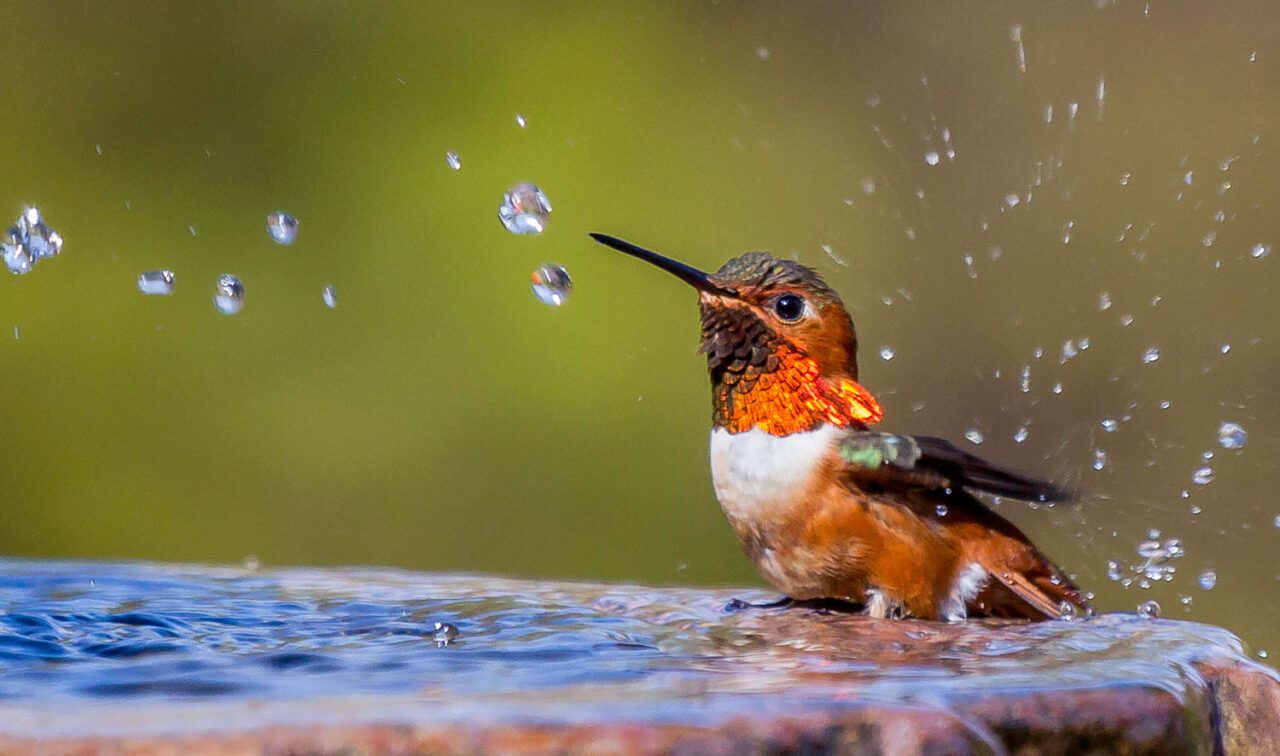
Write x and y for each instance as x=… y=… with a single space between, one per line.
x=106 y=642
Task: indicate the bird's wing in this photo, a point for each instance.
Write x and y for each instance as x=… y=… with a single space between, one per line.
x=934 y=479
x=891 y=461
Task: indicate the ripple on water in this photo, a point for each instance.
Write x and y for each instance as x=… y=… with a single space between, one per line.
x=127 y=632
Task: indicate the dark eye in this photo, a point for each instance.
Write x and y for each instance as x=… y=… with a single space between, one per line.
x=789 y=307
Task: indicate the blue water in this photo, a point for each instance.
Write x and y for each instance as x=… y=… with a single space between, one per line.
x=127 y=635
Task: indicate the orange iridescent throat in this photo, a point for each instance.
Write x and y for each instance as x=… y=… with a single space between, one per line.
x=792 y=398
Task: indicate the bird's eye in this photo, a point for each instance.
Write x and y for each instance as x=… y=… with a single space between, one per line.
x=789 y=307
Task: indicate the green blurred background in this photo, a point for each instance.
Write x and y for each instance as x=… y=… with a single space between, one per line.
x=442 y=419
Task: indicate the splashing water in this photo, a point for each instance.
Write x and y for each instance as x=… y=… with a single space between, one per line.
x=1157 y=560
x=551 y=284
x=229 y=295
x=282 y=227
x=28 y=242
x=1232 y=435
x=524 y=209
x=156 y=282
x=444 y=634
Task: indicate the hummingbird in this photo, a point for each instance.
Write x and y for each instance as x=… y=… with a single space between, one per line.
x=826 y=507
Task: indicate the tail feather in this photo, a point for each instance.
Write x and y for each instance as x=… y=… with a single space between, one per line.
x=1042 y=593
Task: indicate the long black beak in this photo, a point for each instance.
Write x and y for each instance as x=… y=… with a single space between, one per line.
x=689 y=274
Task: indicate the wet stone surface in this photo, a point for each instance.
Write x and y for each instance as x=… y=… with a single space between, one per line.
x=138 y=656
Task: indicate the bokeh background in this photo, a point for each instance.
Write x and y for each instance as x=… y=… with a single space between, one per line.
x=978 y=180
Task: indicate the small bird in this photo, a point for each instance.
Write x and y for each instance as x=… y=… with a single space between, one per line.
x=826 y=507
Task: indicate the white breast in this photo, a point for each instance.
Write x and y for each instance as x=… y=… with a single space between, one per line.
x=754 y=471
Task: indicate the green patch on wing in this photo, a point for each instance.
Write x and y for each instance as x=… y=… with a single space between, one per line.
x=874 y=450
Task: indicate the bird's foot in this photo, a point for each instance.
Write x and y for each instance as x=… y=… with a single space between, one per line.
x=738 y=605
x=818 y=605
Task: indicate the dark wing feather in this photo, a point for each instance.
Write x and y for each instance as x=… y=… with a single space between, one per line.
x=894 y=462
x=965 y=470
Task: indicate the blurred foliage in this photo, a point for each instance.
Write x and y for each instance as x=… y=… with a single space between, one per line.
x=441 y=418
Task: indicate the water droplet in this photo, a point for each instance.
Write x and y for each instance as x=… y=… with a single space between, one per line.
x=974 y=436
x=1232 y=435
x=1020 y=435
x=1202 y=476
x=1114 y=570
x=551 y=284
x=452 y=160
x=941 y=510
x=156 y=282
x=1024 y=384
x=444 y=634
x=1012 y=200
x=16 y=255
x=1262 y=653
x=763 y=52
x=886 y=353
x=229 y=297
x=282 y=227
x=28 y=242
x=830 y=252
x=1275 y=522
x=1069 y=351
x=1110 y=425
x=1020 y=52
x=251 y=563
x=1099 y=459
x=931 y=157
x=520 y=121
x=524 y=209
x=1125 y=178
x=1149 y=609
x=330 y=296
x=1068 y=610
x=1151 y=355
x=1260 y=250
x=1056 y=388
x=1207 y=580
